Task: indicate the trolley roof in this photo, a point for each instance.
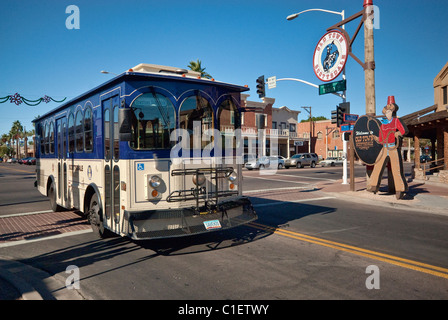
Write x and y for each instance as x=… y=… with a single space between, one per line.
x=150 y=71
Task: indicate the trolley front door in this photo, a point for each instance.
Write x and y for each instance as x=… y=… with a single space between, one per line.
x=61 y=129
x=111 y=163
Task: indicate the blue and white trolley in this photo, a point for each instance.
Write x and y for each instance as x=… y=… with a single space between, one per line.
x=109 y=154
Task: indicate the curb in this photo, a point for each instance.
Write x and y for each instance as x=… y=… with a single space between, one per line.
x=355 y=196
x=33 y=283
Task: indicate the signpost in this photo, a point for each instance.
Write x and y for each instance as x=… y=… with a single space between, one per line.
x=350 y=117
x=333 y=87
x=347 y=127
x=272 y=82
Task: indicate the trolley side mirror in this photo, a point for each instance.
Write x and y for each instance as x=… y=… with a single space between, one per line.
x=124 y=121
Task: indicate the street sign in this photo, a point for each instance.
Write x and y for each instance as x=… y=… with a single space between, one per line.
x=298 y=143
x=330 y=55
x=272 y=82
x=350 y=117
x=347 y=127
x=333 y=87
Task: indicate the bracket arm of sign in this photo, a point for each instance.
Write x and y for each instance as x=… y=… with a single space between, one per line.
x=272 y=83
x=337 y=26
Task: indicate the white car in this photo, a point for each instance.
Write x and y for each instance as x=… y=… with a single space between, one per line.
x=331 y=162
x=266 y=162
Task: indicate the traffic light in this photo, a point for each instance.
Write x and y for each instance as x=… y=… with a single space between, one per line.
x=341 y=109
x=261 y=87
x=334 y=116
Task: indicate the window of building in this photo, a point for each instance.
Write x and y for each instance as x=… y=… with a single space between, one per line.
x=88 y=130
x=336 y=134
x=320 y=135
x=282 y=125
x=292 y=127
x=274 y=124
x=260 y=120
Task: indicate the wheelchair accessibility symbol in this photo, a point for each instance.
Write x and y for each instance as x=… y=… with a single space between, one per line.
x=140 y=166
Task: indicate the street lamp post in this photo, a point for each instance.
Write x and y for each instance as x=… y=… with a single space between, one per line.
x=344 y=95
x=107 y=72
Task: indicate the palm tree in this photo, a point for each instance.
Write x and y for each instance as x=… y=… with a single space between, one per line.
x=196 y=66
x=16 y=132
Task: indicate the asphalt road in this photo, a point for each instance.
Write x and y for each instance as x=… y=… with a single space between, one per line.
x=305 y=245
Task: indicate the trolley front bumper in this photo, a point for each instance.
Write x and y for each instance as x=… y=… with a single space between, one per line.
x=155 y=224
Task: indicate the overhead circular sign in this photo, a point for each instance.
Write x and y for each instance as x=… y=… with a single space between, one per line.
x=330 y=55
x=364 y=131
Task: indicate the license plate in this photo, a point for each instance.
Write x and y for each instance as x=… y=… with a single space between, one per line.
x=212 y=224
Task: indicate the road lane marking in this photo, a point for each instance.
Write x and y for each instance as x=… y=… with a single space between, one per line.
x=406 y=263
x=276 y=180
x=277 y=189
x=18 y=170
x=276 y=203
x=305 y=177
x=57 y=236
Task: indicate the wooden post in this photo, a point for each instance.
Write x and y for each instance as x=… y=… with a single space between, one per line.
x=416 y=151
x=369 y=70
x=445 y=147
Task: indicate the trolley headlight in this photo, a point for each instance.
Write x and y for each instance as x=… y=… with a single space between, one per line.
x=155 y=182
x=232 y=177
x=199 y=179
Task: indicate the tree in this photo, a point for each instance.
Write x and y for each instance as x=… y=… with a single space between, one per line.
x=196 y=66
x=314 y=119
x=16 y=132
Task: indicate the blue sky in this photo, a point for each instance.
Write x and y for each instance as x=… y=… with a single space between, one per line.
x=237 y=41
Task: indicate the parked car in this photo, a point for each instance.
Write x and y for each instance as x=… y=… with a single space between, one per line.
x=266 y=162
x=30 y=161
x=302 y=159
x=331 y=162
x=12 y=160
x=23 y=161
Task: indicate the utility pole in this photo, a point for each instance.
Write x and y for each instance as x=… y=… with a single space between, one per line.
x=369 y=71
x=311 y=127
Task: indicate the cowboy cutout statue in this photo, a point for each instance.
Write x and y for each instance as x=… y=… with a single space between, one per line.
x=390 y=133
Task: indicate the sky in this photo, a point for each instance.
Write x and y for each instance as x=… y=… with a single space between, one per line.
x=236 y=41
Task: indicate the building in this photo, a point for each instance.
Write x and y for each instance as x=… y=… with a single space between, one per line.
x=432 y=123
x=264 y=126
x=325 y=137
x=285 y=123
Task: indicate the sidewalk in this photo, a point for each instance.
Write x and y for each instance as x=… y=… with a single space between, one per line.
x=423 y=196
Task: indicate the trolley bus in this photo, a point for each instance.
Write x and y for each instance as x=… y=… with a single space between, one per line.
x=109 y=154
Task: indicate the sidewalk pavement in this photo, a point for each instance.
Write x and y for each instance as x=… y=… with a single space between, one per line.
x=19 y=281
x=423 y=196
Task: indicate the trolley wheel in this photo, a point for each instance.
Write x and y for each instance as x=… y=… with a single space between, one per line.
x=95 y=216
x=52 y=196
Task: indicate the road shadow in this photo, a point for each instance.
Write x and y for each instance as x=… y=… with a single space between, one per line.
x=98 y=256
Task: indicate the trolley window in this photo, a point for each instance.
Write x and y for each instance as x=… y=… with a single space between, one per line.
x=196 y=109
x=153 y=119
x=88 y=130
x=79 y=132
